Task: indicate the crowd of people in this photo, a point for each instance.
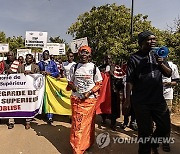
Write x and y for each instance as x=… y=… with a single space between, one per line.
x=143 y=85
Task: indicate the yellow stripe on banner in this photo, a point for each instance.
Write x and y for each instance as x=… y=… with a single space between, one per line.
x=57 y=98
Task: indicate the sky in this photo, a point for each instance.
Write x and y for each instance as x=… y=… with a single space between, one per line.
x=56 y=16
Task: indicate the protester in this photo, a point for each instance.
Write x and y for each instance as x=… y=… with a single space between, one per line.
x=144 y=82
x=52 y=57
x=168 y=84
x=48 y=67
x=9 y=66
x=68 y=64
x=131 y=116
x=58 y=61
x=116 y=86
x=28 y=68
x=21 y=60
x=84 y=80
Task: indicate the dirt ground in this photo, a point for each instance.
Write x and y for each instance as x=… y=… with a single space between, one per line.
x=175 y=119
x=54 y=139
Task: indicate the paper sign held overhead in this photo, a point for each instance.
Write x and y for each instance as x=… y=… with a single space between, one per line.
x=36 y=39
x=53 y=48
x=76 y=44
x=62 y=50
x=4 y=47
x=23 y=52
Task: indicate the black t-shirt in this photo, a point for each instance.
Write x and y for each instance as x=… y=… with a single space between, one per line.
x=145 y=75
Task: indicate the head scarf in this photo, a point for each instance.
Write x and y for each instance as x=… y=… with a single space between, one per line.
x=85 y=47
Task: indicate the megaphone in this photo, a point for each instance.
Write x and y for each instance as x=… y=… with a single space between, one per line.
x=161 y=51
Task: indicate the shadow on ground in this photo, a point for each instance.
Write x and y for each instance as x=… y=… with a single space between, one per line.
x=56 y=134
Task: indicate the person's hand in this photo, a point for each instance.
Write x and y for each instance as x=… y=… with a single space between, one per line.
x=167 y=84
x=126 y=106
x=74 y=88
x=8 y=71
x=58 y=78
x=45 y=73
x=27 y=72
x=87 y=94
x=160 y=60
x=48 y=73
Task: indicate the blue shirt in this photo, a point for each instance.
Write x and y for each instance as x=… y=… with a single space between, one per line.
x=50 y=67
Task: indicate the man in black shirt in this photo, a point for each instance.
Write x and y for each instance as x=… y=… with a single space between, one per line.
x=144 y=84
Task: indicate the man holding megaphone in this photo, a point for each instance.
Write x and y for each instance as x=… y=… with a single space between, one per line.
x=144 y=81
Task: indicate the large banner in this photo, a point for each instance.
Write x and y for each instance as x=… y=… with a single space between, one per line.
x=21 y=96
x=57 y=99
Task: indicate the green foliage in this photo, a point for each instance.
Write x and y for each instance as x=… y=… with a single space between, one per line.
x=2 y=37
x=108 y=30
x=15 y=43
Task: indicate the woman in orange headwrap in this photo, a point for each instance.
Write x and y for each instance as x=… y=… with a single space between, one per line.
x=84 y=81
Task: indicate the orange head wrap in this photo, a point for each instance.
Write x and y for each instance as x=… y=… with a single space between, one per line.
x=85 y=47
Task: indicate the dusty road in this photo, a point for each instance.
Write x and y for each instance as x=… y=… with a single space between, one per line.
x=47 y=139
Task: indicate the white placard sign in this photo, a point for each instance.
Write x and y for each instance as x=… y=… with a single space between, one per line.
x=37 y=56
x=76 y=44
x=36 y=39
x=4 y=47
x=62 y=50
x=23 y=52
x=53 y=48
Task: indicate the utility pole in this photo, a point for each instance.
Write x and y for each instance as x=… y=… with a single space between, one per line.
x=132 y=10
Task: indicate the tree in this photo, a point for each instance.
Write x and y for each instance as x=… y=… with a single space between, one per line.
x=15 y=43
x=2 y=37
x=108 y=30
x=173 y=41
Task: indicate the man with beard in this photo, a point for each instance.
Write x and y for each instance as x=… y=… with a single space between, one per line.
x=144 y=82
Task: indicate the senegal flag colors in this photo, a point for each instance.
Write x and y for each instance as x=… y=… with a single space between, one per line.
x=56 y=98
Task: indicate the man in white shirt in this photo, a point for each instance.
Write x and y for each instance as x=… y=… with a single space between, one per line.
x=66 y=66
x=169 y=83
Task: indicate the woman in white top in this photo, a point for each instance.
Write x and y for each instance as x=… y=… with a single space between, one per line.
x=84 y=80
